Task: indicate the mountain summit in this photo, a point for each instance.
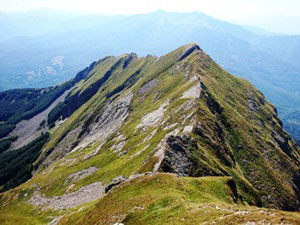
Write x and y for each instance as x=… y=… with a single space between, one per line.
x=49 y=52
x=150 y=140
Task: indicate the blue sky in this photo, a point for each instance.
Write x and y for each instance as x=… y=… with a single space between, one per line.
x=273 y=15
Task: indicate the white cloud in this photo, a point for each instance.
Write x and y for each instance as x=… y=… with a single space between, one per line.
x=58 y=60
x=50 y=70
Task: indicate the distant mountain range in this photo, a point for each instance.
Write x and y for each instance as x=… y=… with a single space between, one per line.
x=44 y=48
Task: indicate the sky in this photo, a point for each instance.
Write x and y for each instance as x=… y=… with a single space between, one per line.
x=273 y=15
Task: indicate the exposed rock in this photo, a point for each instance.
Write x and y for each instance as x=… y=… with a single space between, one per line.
x=118 y=147
x=122 y=153
x=283 y=141
x=27 y=130
x=121 y=179
x=114 y=182
x=109 y=122
x=148 y=86
x=175 y=69
x=193 y=78
x=120 y=138
x=188 y=117
x=253 y=105
x=177 y=157
x=81 y=174
x=63 y=147
x=55 y=221
x=139 y=152
x=161 y=148
x=186 y=106
x=70 y=187
x=159 y=154
x=193 y=92
x=134 y=176
x=153 y=118
x=187 y=129
x=149 y=136
x=93 y=153
x=71 y=200
x=170 y=126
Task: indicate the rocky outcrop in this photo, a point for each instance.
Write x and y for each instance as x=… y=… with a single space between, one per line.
x=178 y=156
x=146 y=88
x=114 y=182
x=193 y=92
x=108 y=122
x=153 y=118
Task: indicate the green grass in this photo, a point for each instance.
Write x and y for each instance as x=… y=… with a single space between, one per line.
x=14 y=209
x=230 y=92
x=233 y=143
x=167 y=199
x=156 y=199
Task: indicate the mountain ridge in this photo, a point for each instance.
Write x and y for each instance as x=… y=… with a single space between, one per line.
x=269 y=62
x=144 y=117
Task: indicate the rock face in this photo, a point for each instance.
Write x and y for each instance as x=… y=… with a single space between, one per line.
x=108 y=122
x=193 y=92
x=178 y=158
x=153 y=118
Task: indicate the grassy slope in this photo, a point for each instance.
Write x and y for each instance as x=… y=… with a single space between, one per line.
x=253 y=146
x=157 y=199
x=14 y=209
x=229 y=92
x=167 y=199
